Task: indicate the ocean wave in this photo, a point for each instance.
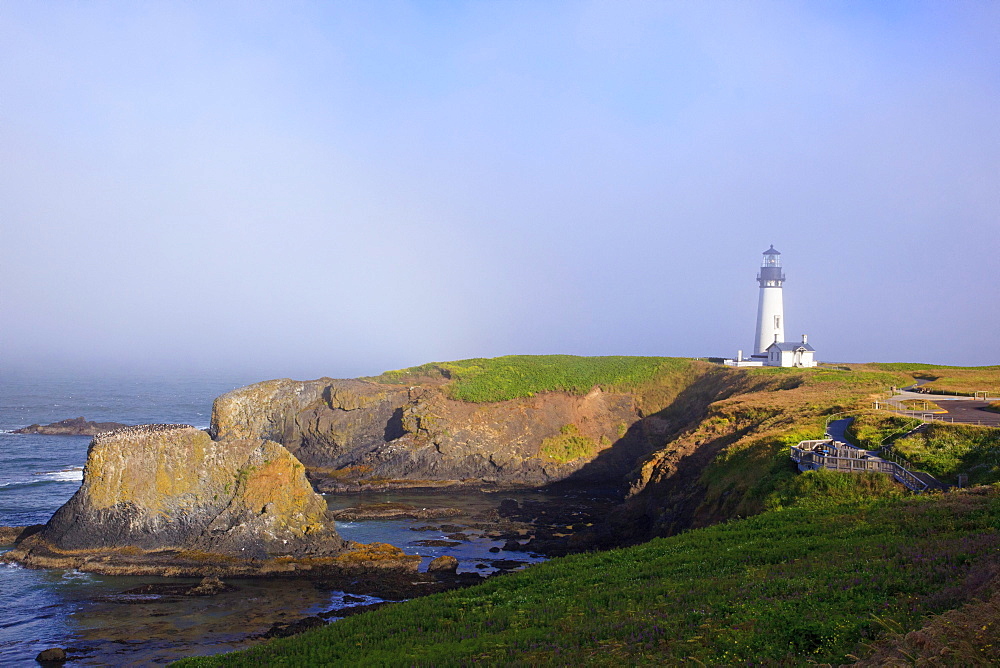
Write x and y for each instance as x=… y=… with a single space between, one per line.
x=341 y=600
x=71 y=474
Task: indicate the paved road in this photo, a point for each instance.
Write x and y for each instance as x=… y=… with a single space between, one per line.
x=837 y=429
x=960 y=409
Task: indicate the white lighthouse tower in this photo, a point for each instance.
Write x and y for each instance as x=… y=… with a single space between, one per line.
x=770 y=306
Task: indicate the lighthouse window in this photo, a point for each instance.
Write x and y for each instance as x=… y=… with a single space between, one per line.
x=777 y=322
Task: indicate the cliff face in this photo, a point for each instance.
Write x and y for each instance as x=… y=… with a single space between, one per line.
x=171 y=487
x=350 y=431
x=323 y=422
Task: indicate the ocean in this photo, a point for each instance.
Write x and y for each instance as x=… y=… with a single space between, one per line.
x=88 y=613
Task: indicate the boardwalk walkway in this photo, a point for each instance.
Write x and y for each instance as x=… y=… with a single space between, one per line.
x=835 y=453
x=830 y=454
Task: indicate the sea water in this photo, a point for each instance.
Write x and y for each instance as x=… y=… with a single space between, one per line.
x=86 y=612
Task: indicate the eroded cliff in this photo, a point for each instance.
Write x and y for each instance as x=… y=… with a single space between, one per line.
x=351 y=432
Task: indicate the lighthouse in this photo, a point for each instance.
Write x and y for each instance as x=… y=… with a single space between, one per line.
x=770 y=306
x=769 y=346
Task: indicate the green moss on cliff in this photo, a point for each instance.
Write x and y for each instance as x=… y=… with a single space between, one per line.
x=568 y=445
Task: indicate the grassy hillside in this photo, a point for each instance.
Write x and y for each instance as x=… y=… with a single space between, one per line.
x=729 y=463
x=946 y=450
x=819 y=581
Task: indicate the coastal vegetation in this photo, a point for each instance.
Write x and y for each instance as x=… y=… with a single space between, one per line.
x=872 y=431
x=944 y=450
x=947 y=450
x=741 y=442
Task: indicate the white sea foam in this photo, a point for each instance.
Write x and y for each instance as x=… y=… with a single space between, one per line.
x=75 y=575
x=74 y=473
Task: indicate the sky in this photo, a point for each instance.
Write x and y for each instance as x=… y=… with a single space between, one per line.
x=313 y=189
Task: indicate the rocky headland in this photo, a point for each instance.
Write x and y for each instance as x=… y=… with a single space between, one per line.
x=71 y=427
x=357 y=434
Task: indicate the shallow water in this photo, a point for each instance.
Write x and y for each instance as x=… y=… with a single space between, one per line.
x=473 y=554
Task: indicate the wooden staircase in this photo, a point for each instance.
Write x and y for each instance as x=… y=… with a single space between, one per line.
x=837 y=456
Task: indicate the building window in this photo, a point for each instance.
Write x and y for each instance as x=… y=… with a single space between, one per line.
x=777 y=322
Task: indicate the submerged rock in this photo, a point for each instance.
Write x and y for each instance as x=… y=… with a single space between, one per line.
x=168 y=500
x=52 y=656
x=391 y=511
x=14 y=535
x=443 y=564
x=284 y=630
x=209 y=586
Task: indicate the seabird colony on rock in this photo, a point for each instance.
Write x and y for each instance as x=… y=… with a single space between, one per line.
x=140 y=430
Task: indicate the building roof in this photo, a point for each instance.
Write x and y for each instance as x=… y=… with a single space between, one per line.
x=792 y=347
x=771 y=251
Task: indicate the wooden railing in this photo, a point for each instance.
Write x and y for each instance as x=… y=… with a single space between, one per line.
x=830 y=454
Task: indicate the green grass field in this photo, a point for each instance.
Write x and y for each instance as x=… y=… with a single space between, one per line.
x=813 y=582
x=516 y=376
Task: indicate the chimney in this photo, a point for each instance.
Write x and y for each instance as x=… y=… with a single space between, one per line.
x=805 y=339
x=776 y=338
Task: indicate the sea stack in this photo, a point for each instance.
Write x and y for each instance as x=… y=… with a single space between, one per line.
x=159 y=498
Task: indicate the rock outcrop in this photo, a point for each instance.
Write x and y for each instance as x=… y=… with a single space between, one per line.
x=71 y=427
x=168 y=499
x=351 y=432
